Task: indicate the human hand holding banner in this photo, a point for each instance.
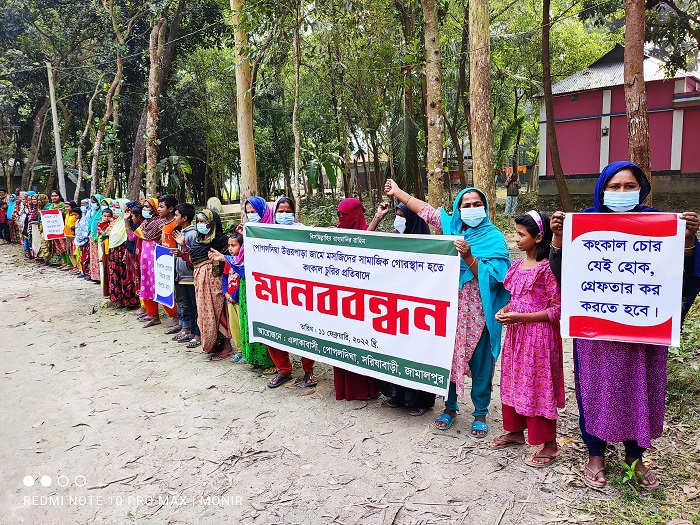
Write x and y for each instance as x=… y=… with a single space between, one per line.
x=622 y=277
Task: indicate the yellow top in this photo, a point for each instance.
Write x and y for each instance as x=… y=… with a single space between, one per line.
x=69 y=221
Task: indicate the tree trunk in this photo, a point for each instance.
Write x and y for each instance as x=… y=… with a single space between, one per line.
x=377 y=168
x=434 y=116
x=244 y=107
x=295 y=111
x=139 y=152
x=156 y=50
x=387 y=131
x=38 y=128
x=552 y=143
x=635 y=89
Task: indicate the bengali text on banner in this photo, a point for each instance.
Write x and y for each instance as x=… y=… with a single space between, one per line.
x=378 y=304
x=622 y=276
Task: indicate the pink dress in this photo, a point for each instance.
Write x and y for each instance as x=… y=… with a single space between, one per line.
x=470 y=316
x=148 y=280
x=532 y=370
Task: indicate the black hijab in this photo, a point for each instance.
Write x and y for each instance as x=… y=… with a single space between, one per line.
x=214 y=239
x=414 y=224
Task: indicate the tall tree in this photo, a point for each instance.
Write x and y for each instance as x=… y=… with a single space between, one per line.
x=244 y=106
x=635 y=90
x=156 y=50
x=436 y=187
x=552 y=144
x=480 y=99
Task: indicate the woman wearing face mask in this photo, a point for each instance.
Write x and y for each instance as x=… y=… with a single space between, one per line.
x=258 y=211
x=212 y=318
x=95 y=217
x=284 y=214
x=405 y=222
x=82 y=238
x=483 y=267
x=620 y=387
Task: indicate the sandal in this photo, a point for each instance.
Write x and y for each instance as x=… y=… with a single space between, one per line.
x=310 y=380
x=649 y=477
x=551 y=459
x=592 y=479
x=415 y=412
x=479 y=426
x=444 y=418
x=236 y=358
x=186 y=338
x=194 y=343
x=220 y=356
x=502 y=442
x=144 y=318
x=279 y=380
x=393 y=403
x=140 y=311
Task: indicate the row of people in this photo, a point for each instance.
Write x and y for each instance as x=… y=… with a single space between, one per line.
x=524 y=297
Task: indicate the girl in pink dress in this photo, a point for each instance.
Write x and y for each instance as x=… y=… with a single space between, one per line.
x=532 y=373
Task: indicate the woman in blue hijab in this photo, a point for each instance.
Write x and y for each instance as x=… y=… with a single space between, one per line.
x=483 y=266
x=620 y=387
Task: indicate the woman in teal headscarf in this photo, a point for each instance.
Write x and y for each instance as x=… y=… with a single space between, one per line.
x=483 y=266
x=95 y=206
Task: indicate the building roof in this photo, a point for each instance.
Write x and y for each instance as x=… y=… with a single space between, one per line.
x=608 y=71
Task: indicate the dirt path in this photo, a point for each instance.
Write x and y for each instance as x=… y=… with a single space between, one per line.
x=141 y=431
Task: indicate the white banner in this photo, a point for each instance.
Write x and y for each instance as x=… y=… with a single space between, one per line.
x=381 y=305
x=622 y=277
x=52 y=225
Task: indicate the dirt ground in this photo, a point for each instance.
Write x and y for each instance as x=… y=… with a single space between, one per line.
x=123 y=426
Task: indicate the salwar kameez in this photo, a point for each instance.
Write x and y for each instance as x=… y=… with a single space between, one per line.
x=94 y=261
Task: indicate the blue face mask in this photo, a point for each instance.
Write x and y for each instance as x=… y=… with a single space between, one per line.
x=253 y=217
x=621 y=200
x=146 y=214
x=284 y=218
x=472 y=217
x=83 y=209
x=202 y=228
x=104 y=206
x=117 y=211
x=93 y=205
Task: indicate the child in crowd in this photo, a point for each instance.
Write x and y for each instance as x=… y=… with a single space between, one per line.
x=166 y=211
x=103 y=247
x=69 y=231
x=230 y=286
x=532 y=373
x=185 y=235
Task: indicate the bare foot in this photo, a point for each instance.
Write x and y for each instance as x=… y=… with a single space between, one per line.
x=153 y=322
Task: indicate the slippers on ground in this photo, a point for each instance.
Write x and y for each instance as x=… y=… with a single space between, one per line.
x=446 y=419
x=236 y=358
x=417 y=412
x=479 y=426
x=551 y=459
x=193 y=343
x=592 y=479
x=393 y=403
x=502 y=442
x=310 y=380
x=180 y=335
x=279 y=380
x=220 y=356
x=650 y=478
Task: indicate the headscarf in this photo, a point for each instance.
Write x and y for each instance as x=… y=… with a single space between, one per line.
x=276 y=205
x=117 y=230
x=489 y=246
x=43 y=202
x=31 y=192
x=414 y=224
x=267 y=215
x=95 y=217
x=607 y=174
x=11 y=205
x=214 y=239
x=354 y=218
x=151 y=229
